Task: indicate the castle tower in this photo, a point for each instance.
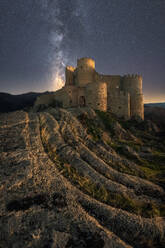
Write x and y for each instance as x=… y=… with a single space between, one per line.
x=133 y=85
x=85 y=71
x=96 y=95
x=69 y=75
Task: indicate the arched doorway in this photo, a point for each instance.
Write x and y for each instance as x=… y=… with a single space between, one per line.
x=82 y=102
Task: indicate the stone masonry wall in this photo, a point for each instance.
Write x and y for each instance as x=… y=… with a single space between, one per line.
x=68 y=95
x=113 y=82
x=119 y=104
x=96 y=96
x=46 y=99
x=137 y=106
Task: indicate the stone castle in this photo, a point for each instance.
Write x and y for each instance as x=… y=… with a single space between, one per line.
x=84 y=87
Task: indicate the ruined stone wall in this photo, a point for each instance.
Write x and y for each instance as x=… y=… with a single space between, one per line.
x=96 y=95
x=68 y=95
x=85 y=71
x=119 y=103
x=61 y=96
x=46 y=99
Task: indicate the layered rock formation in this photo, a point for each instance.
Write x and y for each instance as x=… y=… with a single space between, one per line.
x=66 y=182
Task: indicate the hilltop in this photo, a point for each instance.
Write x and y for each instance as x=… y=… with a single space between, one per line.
x=81 y=178
x=159 y=104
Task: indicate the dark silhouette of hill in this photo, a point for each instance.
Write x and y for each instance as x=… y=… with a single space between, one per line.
x=159 y=104
x=9 y=102
x=156 y=115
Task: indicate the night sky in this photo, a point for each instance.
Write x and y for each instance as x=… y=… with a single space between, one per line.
x=39 y=37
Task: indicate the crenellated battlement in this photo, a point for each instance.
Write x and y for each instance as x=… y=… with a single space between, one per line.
x=132 y=76
x=86 y=63
x=70 y=68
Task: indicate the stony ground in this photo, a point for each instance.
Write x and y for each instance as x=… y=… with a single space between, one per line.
x=79 y=178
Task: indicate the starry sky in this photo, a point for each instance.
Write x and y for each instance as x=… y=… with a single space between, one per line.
x=38 y=38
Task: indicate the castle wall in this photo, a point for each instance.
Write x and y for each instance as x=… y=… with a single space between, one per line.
x=119 y=104
x=113 y=82
x=68 y=96
x=96 y=95
x=60 y=96
x=46 y=99
x=118 y=101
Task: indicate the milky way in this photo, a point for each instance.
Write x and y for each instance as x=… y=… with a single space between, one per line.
x=39 y=37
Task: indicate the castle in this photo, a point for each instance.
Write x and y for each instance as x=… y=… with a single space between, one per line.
x=84 y=87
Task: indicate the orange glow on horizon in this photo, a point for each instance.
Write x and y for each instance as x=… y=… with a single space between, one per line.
x=155 y=96
x=154 y=99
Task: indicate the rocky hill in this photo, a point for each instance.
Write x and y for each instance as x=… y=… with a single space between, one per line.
x=81 y=178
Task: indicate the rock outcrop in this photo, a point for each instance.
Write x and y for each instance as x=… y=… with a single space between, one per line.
x=64 y=185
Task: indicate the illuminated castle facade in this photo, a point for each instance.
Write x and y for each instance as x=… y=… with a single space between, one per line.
x=84 y=87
